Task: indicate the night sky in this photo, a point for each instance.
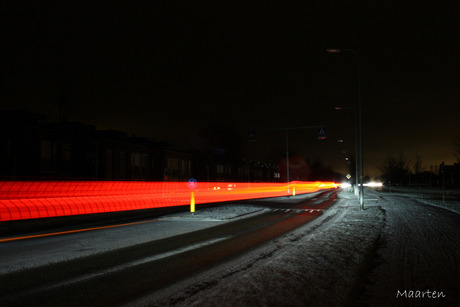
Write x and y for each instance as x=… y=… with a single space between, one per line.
x=168 y=72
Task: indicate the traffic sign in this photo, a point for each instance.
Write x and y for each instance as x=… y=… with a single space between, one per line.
x=322 y=133
x=252 y=136
x=348 y=176
x=192 y=183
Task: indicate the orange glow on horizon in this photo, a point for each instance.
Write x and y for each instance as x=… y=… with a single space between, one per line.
x=21 y=200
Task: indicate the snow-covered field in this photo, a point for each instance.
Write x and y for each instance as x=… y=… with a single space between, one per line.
x=347 y=256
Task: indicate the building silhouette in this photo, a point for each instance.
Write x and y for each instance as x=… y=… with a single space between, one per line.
x=32 y=148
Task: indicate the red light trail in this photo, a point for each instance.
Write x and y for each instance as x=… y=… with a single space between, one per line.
x=20 y=200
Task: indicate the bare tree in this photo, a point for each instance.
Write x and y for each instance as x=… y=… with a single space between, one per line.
x=394 y=170
x=418 y=165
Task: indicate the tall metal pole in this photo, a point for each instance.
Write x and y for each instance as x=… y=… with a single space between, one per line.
x=287 y=158
x=356 y=151
x=361 y=194
x=361 y=186
x=355 y=117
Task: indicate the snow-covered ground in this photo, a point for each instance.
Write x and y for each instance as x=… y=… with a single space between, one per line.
x=347 y=256
x=448 y=199
x=17 y=255
x=418 y=259
x=316 y=264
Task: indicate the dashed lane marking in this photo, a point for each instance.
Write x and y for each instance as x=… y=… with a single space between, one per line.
x=298 y=210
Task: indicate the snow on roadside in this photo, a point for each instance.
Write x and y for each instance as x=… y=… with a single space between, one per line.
x=317 y=264
x=19 y=255
x=432 y=197
x=220 y=213
x=453 y=206
x=419 y=253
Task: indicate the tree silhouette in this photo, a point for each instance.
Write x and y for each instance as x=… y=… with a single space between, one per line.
x=395 y=169
x=457 y=148
x=418 y=165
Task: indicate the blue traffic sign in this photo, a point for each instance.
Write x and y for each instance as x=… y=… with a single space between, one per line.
x=192 y=183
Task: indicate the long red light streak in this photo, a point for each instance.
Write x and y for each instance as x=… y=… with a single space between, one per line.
x=21 y=200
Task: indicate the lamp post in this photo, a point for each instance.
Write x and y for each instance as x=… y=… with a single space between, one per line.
x=356 y=144
x=361 y=186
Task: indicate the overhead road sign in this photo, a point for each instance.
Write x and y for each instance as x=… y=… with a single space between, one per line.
x=252 y=136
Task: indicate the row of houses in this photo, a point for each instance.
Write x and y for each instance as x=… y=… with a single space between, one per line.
x=31 y=147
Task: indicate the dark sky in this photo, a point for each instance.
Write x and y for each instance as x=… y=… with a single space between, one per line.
x=168 y=71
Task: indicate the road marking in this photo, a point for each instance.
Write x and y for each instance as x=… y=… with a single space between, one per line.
x=74 y=231
x=298 y=210
x=313 y=210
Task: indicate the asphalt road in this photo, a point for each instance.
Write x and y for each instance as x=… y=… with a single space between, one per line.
x=118 y=276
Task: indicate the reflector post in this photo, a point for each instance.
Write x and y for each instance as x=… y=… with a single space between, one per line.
x=192 y=202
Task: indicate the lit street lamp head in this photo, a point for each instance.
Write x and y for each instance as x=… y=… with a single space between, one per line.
x=334 y=50
x=344 y=108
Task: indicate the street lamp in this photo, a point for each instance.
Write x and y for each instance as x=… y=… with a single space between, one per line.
x=356 y=144
x=361 y=187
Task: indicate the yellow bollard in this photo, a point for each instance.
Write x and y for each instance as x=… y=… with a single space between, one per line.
x=192 y=202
